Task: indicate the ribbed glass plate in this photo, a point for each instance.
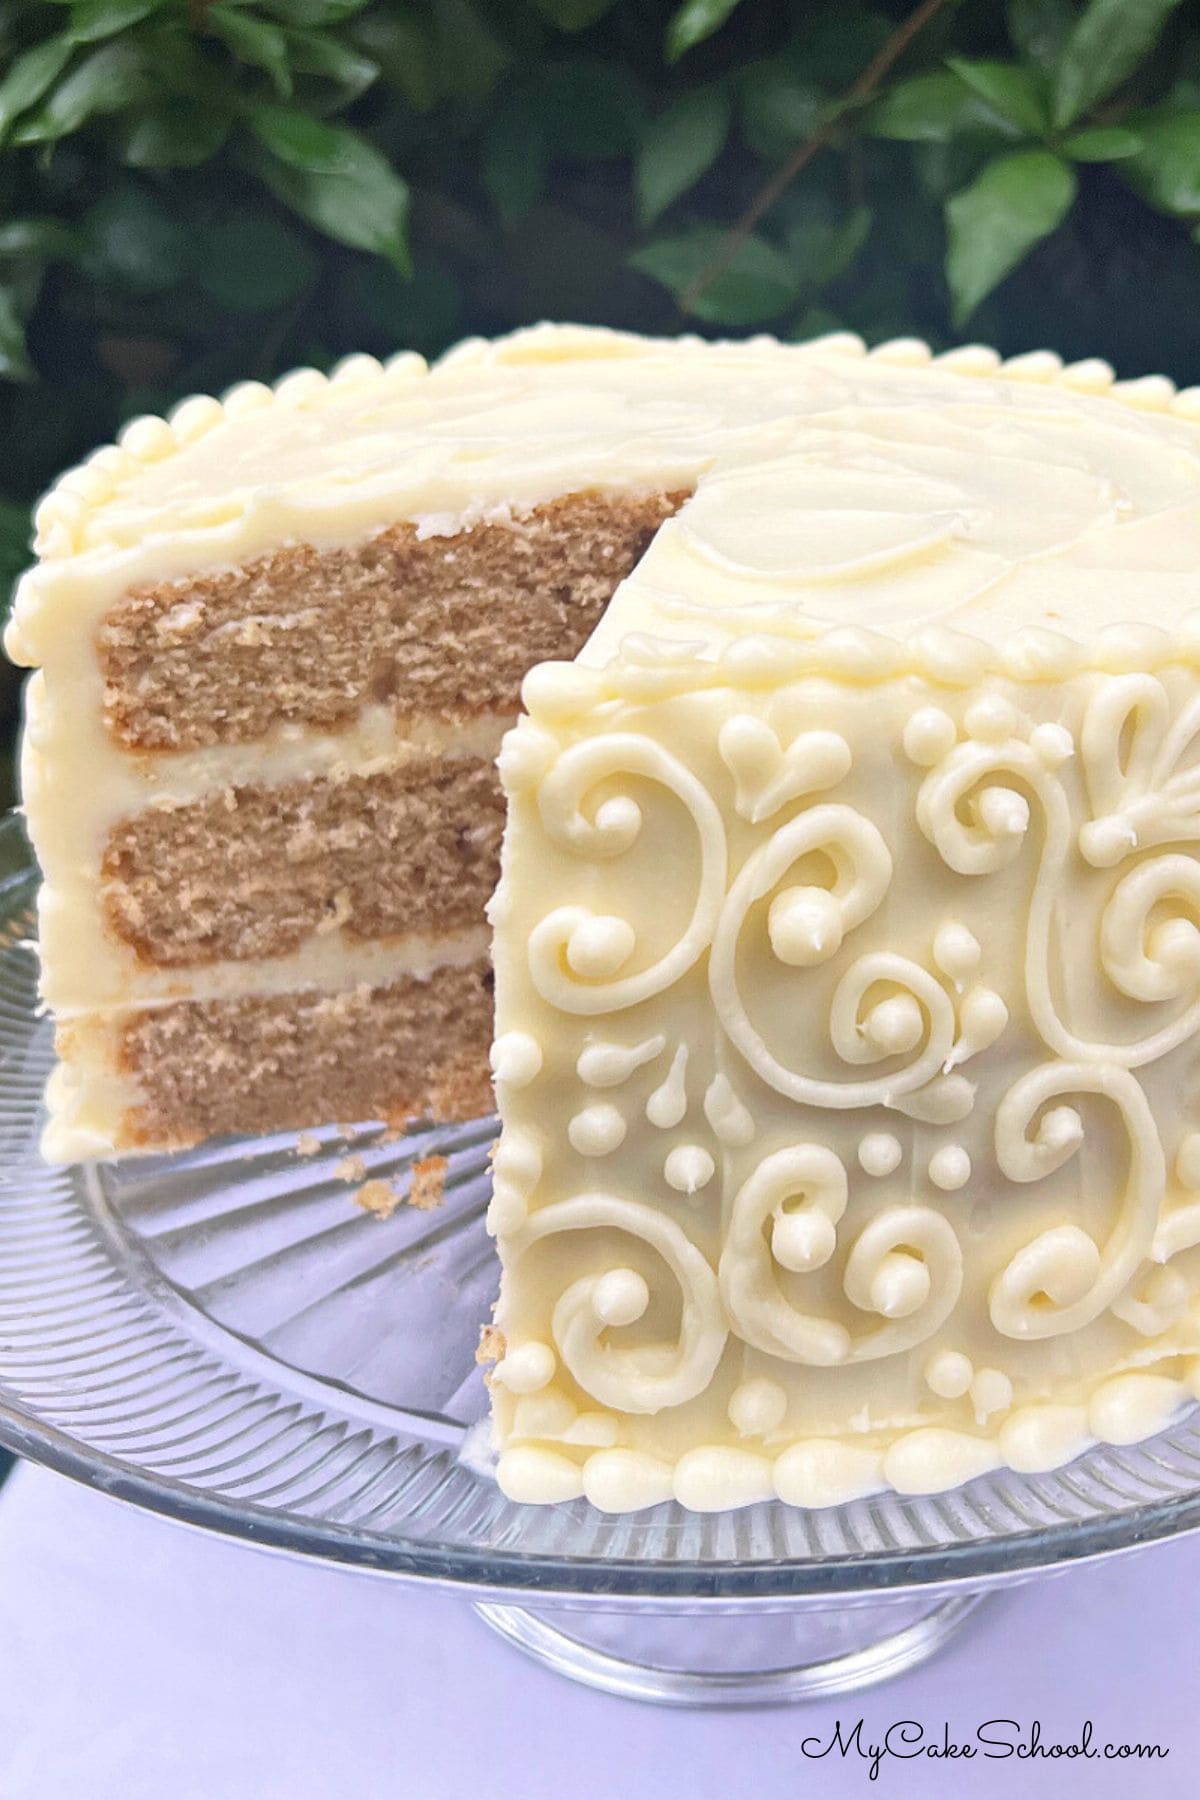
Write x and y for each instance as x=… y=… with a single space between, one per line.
x=227 y=1338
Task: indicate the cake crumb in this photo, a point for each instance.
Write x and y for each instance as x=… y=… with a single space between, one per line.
x=378 y=1197
x=427 y=1187
x=492 y=1345
x=351 y=1168
x=307 y=1144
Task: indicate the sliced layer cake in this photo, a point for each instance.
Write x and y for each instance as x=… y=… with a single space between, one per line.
x=847 y=948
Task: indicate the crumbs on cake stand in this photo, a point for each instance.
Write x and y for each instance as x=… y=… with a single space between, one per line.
x=426 y=1187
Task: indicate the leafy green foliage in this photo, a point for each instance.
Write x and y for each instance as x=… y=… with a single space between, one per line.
x=197 y=191
x=1105 y=46
x=29 y=77
x=758 y=282
x=696 y=20
x=678 y=147
x=335 y=179
x=1017 y=95
x=1011 y=205
x=1166 y=168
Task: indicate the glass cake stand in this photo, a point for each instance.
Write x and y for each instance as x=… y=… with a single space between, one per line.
x=225 y=1338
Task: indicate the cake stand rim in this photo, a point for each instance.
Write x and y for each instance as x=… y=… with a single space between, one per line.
x=1007 y=1560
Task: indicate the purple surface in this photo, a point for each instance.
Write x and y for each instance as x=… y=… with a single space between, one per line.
x=140 y=1660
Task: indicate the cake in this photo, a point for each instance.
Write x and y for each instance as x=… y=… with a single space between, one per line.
x=847 y=940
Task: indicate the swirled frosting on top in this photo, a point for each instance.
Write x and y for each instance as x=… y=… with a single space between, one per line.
x=888 y=490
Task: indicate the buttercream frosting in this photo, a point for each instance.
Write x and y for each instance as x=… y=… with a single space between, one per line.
x=847 y=966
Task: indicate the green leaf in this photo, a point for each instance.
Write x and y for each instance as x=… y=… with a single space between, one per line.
x=402 y=48
x=1102 y=143
x=92 y=20
x=133 y=241
x=338 y=182
x=107 y=80
x=1017 y=95
x=823 y=249
x=1040 y=28
x=297 y=138
x=313 y=53
x=993 y=224
x=588 y=109
x=814 y=321
x=779 y=109
x=180 y=134
x=1109 y=40
x=14 y=358
x=254 y=41
x=30 y=76
x=49 y=239
x=251 y=262
x=933 y=109
x=1166 y=170
x=573 y=15
x=758 y=284
x=695 y=21
x=514 y=161
x=469 y=58
x=678 y=147
x=314 y=13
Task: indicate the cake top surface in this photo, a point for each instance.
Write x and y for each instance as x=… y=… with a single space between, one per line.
x=887 y=492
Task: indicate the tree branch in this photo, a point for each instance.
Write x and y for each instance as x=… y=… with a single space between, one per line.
x=859 y=91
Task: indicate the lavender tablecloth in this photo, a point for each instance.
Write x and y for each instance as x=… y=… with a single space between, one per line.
x=140 y=1661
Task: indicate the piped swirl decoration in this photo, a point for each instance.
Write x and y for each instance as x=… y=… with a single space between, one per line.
x=905 y=1265
x=575 y=955
x=912 y=1015
x=642 y=1377
x=974 y=807
x=1063 y=1279
x=1142 y=788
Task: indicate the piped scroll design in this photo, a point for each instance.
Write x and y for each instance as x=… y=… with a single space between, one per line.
x=576 y=955
x=642 y=1377
x=1063 y=1279
x=1148 y=794
x=806 y=925
x=974 y=807
x=766 y=775
x=905 y=1264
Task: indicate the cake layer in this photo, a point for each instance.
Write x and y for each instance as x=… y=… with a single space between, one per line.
x=253 y=871
x=450 y=623
x=170 y=1075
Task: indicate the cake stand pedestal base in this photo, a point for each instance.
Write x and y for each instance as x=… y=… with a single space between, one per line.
x=771 y=1658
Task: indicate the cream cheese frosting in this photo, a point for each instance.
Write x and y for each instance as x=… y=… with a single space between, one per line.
x=846 y=950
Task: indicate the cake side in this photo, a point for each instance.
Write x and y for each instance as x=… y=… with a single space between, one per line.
x=847 y=1065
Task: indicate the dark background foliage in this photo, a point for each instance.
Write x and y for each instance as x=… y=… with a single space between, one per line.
x=197 y=191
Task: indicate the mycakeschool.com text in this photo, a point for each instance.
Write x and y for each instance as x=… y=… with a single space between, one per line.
x=1021 y=1742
